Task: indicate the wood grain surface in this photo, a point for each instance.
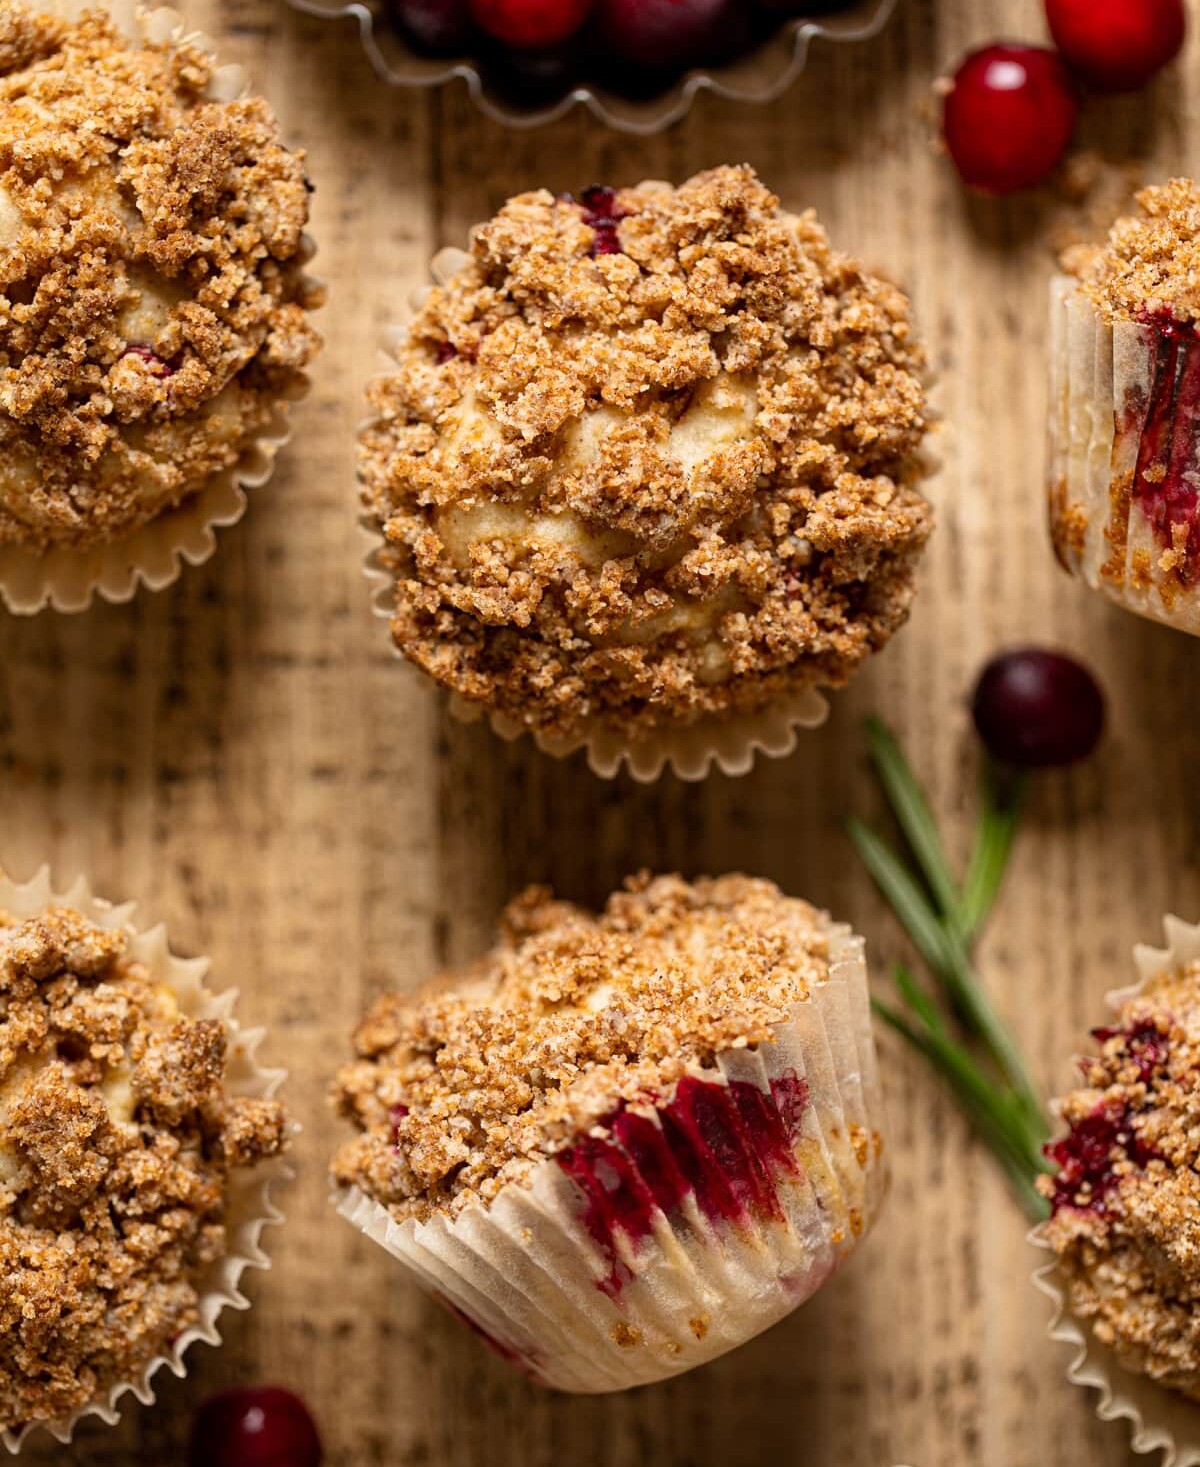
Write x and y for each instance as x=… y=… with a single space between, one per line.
x=243 y=754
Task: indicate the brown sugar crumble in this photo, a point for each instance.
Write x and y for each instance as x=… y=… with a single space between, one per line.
x=152 y=296
x=1126 y=1198
x=467 y=1083
x=649 y=456
x=116 y=1144
x=1149 y=266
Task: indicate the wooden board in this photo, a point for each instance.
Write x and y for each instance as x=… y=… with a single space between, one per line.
x=244 y=755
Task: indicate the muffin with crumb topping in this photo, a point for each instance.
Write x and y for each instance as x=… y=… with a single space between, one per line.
x=621 y=1144
x=130 y=1123
x=648 y=459
x=1125 y=1203
x=153 y=302
x=1125 y=409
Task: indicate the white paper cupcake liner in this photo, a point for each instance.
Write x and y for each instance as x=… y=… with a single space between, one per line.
x=1160 y=1419
x=1102 y=390
x=153 y=555
x=249 y=1208
x=672 y=1235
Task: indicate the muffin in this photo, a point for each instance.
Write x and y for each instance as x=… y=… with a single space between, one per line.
x=153 y=300
x=131 y=1121
x=1125 y=400
x=1125 y=1199
x=647 y=464
x=619 y=1145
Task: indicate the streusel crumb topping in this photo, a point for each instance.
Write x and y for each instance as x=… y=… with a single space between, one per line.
x=465 y=1084
x=116 y=1144
x=648 y=455
x=1150 y=263
x=1126 y=1199
x=152 y=297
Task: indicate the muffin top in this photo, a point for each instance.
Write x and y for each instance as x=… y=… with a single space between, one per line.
x=647 y=455
x=465 y=1084
x=116 y=1144
x=1150 y=264
x=152 y=300
x=1126 y=1198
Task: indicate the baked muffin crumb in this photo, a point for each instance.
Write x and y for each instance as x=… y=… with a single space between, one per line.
x=1126 y=1198
x=1149 y=266
x=648 y=456
x=467 y=1083
x=117 y=1140
x=152 y=294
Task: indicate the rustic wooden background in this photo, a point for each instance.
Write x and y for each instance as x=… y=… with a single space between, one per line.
x=244 y=755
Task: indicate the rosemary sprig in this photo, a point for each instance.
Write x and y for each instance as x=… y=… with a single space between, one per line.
x=969 y=1045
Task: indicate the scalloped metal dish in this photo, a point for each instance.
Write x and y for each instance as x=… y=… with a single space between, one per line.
x=759 y=78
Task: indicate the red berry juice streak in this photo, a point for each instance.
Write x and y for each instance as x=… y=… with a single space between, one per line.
x=1086 y=1156
x=1169 y=451
x=724 y=1145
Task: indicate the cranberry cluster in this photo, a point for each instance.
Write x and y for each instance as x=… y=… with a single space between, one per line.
x=1010 y=110
x=536 y=50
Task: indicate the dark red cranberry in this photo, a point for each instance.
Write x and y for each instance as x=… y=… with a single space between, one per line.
x=533 y=78
x=1035 y=709
x=670 y=35
x=443 y=27
x=260 y=1426
x=1086 y=1156
x=602 y=213
x=531 y=25
x=157 y=364
x=444 y=352
x=1009 y=117
x=801 y=7
x=1145 y=1044
x=1117 y=45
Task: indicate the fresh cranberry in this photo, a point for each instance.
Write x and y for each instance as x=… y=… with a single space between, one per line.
x=670 y=34
x=1009 y=116
x=1117 y=45
x=1034 y=709
x=443 y=27
x=260 y=1426
x=531 y=25
x=533 y=78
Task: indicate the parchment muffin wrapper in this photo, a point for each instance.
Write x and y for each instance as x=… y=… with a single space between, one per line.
x=1102 y=382
x=732 y=1229
x=250 y=1205
x=1160 y=1420
x=729 y=743
x=67 y=579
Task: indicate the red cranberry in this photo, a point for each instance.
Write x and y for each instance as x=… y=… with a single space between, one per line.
x=1035 y=709
x=1009 y=117
x=1117 y=45
x=531 y=25
x=669 y=34
x=261 y=1426
x=602 y=213
x=443 y=27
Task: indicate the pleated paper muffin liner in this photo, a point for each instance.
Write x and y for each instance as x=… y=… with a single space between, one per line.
x=1120 y=394
x=1160 y=1419
x=66 y=579
x=673 y=1233
x=729 y=743
x=249 y=1207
